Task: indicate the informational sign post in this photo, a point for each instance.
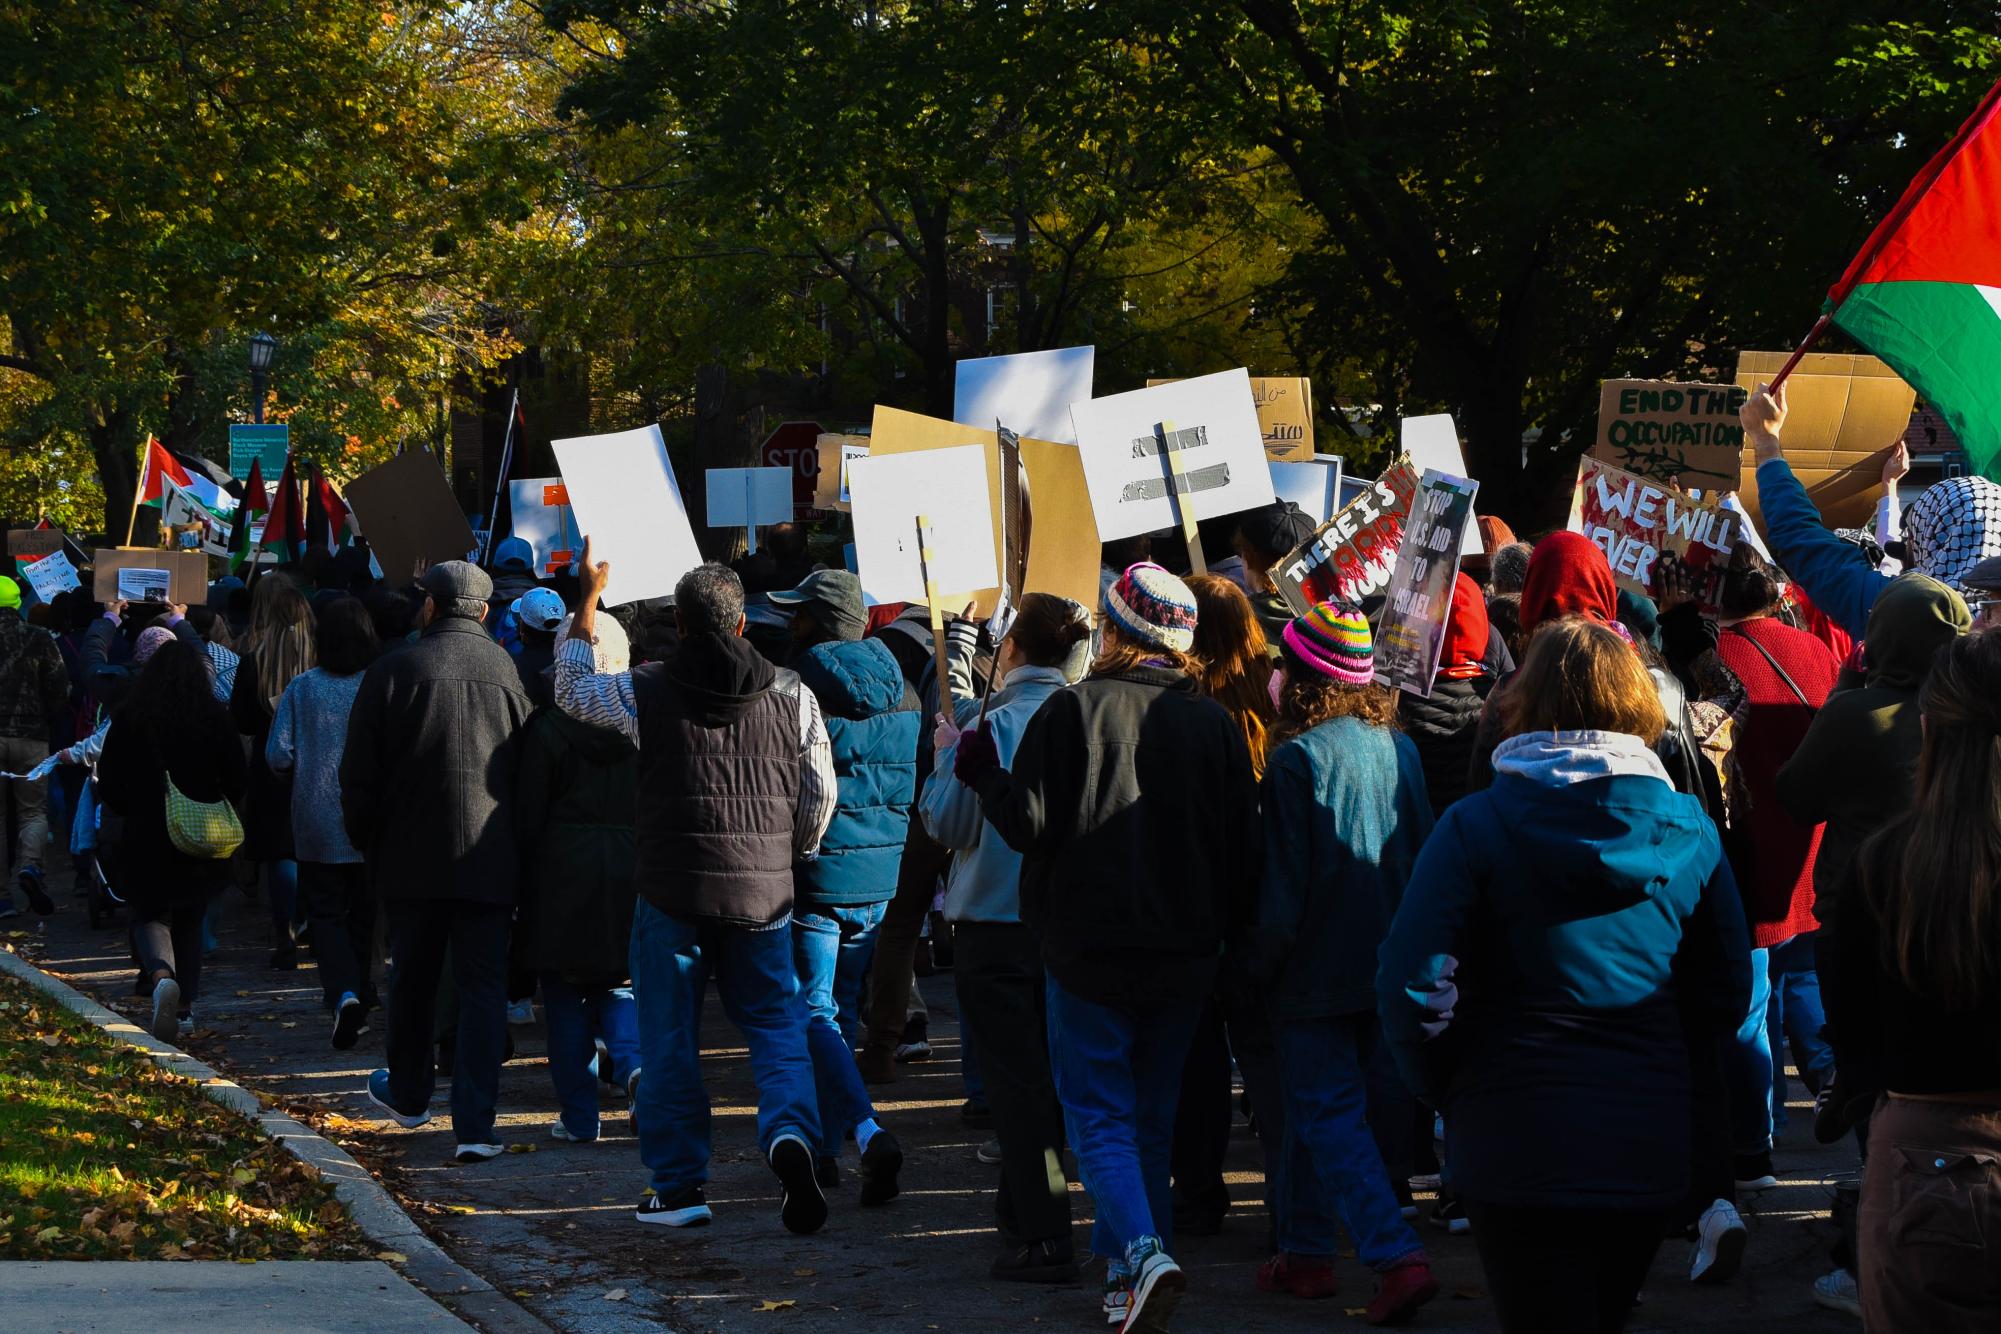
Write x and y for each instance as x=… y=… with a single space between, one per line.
x=1639 y=523
x=268 y=443
x=1678 y=433
x=1353 y=554
x=1411 y=635
x=629 y=506
x=948 y=489
x=1128 y=462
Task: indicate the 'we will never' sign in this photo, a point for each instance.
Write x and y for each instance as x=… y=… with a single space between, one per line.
x=1639 y=522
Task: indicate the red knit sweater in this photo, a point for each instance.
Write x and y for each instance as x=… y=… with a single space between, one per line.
x=1777 y=883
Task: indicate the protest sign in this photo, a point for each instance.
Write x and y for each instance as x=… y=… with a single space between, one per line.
x=1030 y=391
x=1063 y=549
x=193 y=523
x=748 y=498
x=1670 y=431
x=1285 y=415
x=836 y=453
x=267 y=443
x=1433 y=442
x=142 y=574
x=1313 y=484
x=406 y=510
x=1411 y=635
x=541 y=516
x=51 y=576
x=1639 y=522
x=1128 y=461
x=1353 y=554
x=629 y=506
x=949 y=489
x=1843 y=414
x=33 y=543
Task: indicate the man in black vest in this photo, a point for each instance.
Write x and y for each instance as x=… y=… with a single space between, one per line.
x=736 y=784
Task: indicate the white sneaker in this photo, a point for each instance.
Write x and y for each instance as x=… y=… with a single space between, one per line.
x=1118 y=1300
x=478 y=1153
x=166 y=1025
x=1719 y=1244
x=1837 y=1292
x=1157 y=1286
x=557 y=1130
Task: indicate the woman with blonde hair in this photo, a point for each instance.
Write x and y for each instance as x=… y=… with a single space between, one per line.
x=277 y=648
x=1568 y=936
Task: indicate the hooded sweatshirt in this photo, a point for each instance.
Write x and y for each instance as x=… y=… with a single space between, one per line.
x=872 y=720
x=576 y=808
x=1443 y=726
x=1565 y=933
x=1857 y=766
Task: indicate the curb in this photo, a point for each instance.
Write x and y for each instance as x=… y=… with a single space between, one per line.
x=374 y=1210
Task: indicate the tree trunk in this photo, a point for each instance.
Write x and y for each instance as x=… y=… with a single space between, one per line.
x=113 y=438
x=932 y=222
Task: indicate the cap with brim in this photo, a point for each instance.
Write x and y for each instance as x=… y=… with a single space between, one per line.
x=833 y=598
x=1985 y=576
x=539 y=609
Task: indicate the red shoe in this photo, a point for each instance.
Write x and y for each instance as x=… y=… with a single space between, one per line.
x=1404 y=1288
x=1311 y=1279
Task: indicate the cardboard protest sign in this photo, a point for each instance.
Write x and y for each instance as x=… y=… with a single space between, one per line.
x=1030 y=391
x=1063 y=549
x=1639 y=523
x=406 y=510
x=266 y=443
x=33 y=543
x=142 y=574
x=1353 y=554
x=1411 y=635
x=1432 y=441
x=540 y=515
x=949 y=489
x=1843 y=414
x=830 y=488
x=1313 y=484
x=629 y=506
x=1670 y=431
x=1126 y=463
x=1285 y=415
x=51 y=576
x=749 y=498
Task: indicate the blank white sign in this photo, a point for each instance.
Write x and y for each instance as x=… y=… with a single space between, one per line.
x=628 y=504
x=749 y=497
x=1126 y=474
x=946 y=486
x=1433 y=442
x=1314 y=485
x=1030 y=393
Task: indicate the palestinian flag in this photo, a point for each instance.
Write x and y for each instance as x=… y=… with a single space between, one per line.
x=207 y=486
x=253 y=507
x=326 y=514
x=1925 y=292
x=285 y=524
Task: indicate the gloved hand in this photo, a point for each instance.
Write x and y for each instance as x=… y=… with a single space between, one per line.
x=977 y=755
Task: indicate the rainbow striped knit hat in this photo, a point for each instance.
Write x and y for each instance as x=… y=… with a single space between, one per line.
x=1153 y=607
x=1334 y=640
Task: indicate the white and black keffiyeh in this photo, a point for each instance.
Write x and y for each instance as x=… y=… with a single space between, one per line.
x=1953 y=527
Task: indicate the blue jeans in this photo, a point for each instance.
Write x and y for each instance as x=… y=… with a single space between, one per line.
x=1795 y=1015
x=576 y=1017
x=1330 y=1156
x=832 y=948
x=672 y=961
x=1747 y=1065
x=1118 y=1076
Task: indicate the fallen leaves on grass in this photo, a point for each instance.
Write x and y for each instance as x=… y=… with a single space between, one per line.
x=777 y=1306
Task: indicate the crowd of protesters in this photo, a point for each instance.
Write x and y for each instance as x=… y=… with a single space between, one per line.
x=1534 y=943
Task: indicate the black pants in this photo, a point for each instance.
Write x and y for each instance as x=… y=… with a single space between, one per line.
x=1564 y=1271
x=169 y=937
x=337 y=900
x=419 y=933
x=999 y=975
x=1202 y=1125
x=924 y=860
x=1256 y=1054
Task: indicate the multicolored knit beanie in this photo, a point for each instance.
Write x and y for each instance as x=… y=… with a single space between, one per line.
x=1334 y=640
x=1153 y=607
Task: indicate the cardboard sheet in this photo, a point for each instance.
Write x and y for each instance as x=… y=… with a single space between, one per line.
x=628 y=504
x=830 y=487
x=1843 y=413
x=1030 y=393
x=1667 y=431
x=406 y=510
x=187 y=572
x=1063 y=547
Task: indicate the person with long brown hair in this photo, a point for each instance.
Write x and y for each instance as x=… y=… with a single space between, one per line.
x=1233 y=661
x=278 y=647
x=1569 y=936
x=1345 y=813
x=1917 y=998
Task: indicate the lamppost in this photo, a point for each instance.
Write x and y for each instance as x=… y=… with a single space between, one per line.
x=262 y=346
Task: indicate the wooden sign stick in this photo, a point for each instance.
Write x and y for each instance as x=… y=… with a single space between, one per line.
x=749 y=528
x=943 y=667
x=1182 y=508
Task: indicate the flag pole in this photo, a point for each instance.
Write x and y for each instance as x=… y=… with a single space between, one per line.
x=506 y=462
x=138 y=490
x=1812 y=337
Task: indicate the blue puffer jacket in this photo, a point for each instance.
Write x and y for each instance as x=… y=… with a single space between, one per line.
x=1565 y=936
x=873 y=720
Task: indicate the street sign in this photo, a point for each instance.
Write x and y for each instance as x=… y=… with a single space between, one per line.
x=269 y=443
x=796 y=445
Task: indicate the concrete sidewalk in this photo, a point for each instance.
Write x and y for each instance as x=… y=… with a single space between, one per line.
x=174 y=1296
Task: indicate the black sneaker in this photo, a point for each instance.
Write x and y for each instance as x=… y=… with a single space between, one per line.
x=916 y=1043
x=1036 y=1262
x=827 y=1171
x=804 y=1209
x=881 y=1161
x=37 y=891
x=347 y=1022
x=976 y=1113
x=1450 y=1215
x=684 y=1208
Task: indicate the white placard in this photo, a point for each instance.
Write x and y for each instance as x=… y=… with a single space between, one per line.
x=749 y=497
x=849 y=453
x=1314 y=485
x=1128 y=476
x=136 y=584
x=1030 y=393
x=946 y=486
x=628 y=504
x=51 y=576
x=541 y=515
x=1433 y=442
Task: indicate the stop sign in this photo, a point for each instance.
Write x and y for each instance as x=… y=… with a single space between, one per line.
x=796 y=445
